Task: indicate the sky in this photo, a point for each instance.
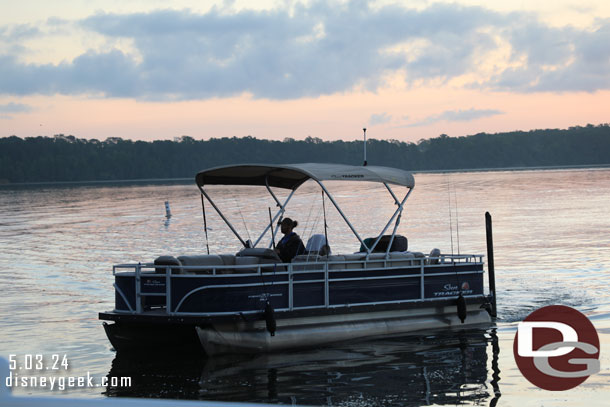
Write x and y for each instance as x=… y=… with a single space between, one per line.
x=405 y=70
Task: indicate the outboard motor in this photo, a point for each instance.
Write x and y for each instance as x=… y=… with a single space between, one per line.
x=461 y=308
x=270 y=319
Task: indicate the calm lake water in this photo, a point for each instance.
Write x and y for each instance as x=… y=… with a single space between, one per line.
x=552 y=246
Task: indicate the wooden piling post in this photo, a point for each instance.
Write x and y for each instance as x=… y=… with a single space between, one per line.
x=490 y=264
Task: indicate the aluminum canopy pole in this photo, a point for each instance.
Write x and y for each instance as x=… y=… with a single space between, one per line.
x=271 y=192
x=280 y=212
x=341 y=212
x=387 y=252
x=396 y=201
x=222 y=216
x=399 y=209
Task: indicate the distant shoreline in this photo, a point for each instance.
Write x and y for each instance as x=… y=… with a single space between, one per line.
x=192 y=179
x=67 y=160
x=534 y=168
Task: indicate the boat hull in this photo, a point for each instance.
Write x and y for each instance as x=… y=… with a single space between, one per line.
x=144 y=337
x=307 y=332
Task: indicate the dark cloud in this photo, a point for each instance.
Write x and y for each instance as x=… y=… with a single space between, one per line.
x=456 y=116
x=311 y=50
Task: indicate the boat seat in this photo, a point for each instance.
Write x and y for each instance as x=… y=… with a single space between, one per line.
x=228 y=259
x=167 y=261
x=380 y=257
x=434 y=257
x=398 y=259
x=202 y=264
x=275 y=265
x=262 y=253
x=307 y=258
x=336 y=262
x=418 y=258
x=264 y=256
x=349 y=258
x=399 y=244
x=317 y=244
x=241 y=261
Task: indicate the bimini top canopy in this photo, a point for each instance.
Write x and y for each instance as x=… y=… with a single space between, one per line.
x=291 y=176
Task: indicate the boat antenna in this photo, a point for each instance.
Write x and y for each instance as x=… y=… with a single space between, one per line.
x=309 y=231
x=326 y=225
x=450 y=215
x=457 y=219
x=248 y=242
x=271 y=227
x=205 y=224
x=364 y=130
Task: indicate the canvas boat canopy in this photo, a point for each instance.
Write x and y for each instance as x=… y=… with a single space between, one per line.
x=291 y=176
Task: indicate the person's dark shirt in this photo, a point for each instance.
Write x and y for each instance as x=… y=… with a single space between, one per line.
x=290 y=246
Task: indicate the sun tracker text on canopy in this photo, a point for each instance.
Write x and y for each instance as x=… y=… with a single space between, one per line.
x=293 y=175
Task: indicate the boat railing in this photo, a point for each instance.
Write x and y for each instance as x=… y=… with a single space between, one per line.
x=178 y=270
x=163 y=275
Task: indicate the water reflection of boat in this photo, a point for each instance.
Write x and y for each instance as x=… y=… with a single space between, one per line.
x=442 y=368
x=253 y=302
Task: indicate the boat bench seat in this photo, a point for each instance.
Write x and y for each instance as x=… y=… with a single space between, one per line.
x=307 y=258
x=354 y=261
x=228 y=259
x=379 y=260
x=335 y=262
x=207 y=264
x=376 y=260
x=419 y=256
x=200 y=264
x=197 y=264
x=242 y=261
x=162 y=262
x=398 y=259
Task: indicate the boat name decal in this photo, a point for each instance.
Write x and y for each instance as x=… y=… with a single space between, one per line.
x=150 y=282
x=265 y=297
x=451 y=289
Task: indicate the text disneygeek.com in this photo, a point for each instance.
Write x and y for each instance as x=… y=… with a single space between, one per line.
x=25 y=371
x=65 y=382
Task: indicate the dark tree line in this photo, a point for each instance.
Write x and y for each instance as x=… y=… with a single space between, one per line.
x=67 y=158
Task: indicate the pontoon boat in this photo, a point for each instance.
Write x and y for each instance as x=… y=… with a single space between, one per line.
x=250 y=301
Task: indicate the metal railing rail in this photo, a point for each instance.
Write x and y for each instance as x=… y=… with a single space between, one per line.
x=421 y=264
x=443 y=260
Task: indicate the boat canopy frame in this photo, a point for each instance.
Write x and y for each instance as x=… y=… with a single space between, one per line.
x=292 y=176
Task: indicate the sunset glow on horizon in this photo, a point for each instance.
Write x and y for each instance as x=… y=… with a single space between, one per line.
x=408 y=70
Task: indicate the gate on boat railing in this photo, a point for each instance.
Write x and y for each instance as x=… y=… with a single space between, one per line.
x=155 y=281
